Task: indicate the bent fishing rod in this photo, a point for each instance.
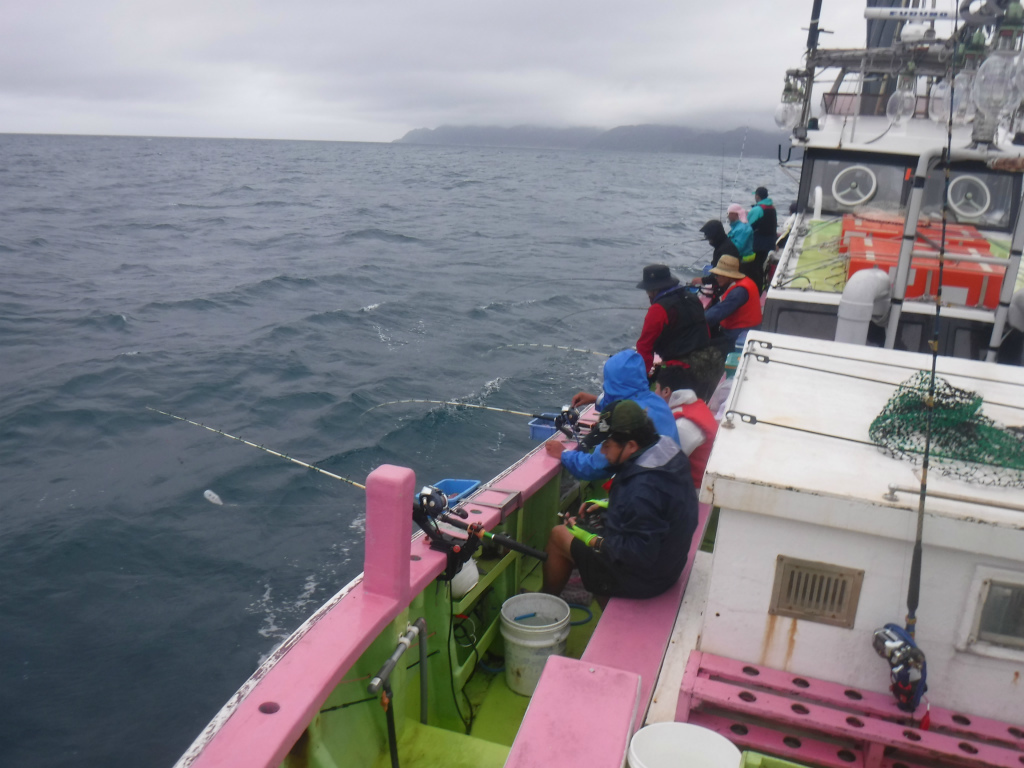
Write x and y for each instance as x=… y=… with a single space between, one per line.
x=548 y=417
x=263 y=448
x=566 y=422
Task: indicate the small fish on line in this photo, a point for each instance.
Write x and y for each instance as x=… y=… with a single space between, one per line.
x=212 y=497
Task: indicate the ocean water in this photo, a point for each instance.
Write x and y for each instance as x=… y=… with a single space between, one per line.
x=276 y=291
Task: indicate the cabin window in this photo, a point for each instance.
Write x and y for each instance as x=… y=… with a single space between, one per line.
x=993 y=623
x=848 y=186
x=978 y=196
x=815 y=591
x=1002 y=615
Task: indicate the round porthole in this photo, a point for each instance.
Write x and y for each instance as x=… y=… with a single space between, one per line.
x=969 y=196
x=854 y=186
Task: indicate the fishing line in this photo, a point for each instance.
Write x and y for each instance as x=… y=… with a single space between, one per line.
x=597 y=309
x=262 y=448
x=463 y=405
x=555 y=346
x=573 y=279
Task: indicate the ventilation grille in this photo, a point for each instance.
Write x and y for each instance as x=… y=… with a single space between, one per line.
x=818 y=592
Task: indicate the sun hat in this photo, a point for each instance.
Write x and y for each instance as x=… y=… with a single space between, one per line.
x=623 y=420
x=728 y=266
x=657 y=277
x=740 y=211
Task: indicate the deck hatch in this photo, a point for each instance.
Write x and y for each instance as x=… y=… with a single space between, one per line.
x=813 y=591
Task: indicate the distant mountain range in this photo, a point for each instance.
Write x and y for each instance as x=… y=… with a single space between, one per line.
x=633 y=138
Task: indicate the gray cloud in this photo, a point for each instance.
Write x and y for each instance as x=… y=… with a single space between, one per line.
x=358 y=70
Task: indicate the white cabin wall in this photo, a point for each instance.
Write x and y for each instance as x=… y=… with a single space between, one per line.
x=737 y=624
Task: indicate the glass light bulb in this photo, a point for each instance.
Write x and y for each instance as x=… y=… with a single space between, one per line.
x=901 y=106
x=963 y=104
x=994 y=84
x=787 y=115
x=938 y=103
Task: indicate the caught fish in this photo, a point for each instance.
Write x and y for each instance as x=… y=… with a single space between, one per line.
x=212 y=497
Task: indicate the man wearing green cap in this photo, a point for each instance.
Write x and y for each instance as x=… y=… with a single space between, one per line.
x=649 y=520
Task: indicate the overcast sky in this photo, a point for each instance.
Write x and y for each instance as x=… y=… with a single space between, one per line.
x=370 y=70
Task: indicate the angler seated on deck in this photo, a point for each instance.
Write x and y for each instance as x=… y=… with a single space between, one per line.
x=739 y=309
x=696 y=424
x=624 y=379
x=649 y=521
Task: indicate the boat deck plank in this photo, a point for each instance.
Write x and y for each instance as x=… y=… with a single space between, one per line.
x=801 y=718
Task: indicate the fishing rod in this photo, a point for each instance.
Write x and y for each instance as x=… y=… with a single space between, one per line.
x=262 y=448
x=547 y=416
x=566 y=422
x=555 y=346
x=497 y=538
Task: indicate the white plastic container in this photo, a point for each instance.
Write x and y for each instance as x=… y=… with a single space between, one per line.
x=681 y=745
x=534 y=627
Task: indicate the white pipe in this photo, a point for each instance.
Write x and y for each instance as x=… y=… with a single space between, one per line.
x=865 y=297
x=1009 y=283
x=817 y=203
x=1015 y=315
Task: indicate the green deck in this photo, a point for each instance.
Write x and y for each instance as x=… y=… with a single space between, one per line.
x=351 y=728
x=821 y=267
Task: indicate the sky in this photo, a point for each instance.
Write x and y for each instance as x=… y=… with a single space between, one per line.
x=371 y=70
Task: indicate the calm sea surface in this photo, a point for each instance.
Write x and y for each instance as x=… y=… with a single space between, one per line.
x=275 y=290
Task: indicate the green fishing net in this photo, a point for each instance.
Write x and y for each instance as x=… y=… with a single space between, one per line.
x=965 y=443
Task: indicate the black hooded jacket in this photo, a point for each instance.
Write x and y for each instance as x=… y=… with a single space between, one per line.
x=715 y=234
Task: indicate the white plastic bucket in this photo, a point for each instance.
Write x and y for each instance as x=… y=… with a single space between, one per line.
x=681 y=745
x=534 y=627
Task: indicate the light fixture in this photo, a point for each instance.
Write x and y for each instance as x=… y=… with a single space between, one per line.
x=791 y=107
x=903 y=103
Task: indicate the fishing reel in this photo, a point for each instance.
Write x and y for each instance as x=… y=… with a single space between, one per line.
x=430 y=505
x=568 y=422
x=908 y=669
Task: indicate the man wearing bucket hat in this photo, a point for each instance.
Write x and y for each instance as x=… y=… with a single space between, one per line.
x=674 y=326
x=739 y=309
x=649 y=520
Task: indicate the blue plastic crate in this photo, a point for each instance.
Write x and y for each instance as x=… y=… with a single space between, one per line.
x=541 y=429
x=456 y=490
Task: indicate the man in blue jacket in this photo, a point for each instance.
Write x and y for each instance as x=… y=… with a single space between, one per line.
x=648 y=524
x=624 y=379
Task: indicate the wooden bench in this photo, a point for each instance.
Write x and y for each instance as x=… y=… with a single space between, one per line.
x=580 y=714
x=814 y=721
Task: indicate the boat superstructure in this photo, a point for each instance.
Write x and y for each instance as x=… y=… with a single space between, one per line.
x=878 y=129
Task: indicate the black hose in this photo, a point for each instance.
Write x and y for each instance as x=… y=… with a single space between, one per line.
x=392 y=735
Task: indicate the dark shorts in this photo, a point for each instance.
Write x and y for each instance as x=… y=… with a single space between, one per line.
x=602 y=577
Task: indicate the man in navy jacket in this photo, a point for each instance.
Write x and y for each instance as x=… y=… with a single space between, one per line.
x=649 y=521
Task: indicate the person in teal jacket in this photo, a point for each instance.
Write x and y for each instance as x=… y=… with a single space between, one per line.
x=740 y=233
x=625 y=378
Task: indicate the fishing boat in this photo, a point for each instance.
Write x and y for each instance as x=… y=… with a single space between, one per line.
x=861 y=601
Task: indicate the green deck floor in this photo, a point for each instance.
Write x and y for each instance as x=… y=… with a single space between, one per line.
x=820 y=266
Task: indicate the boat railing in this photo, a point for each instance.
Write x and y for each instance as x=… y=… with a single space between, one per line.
x=848 y=104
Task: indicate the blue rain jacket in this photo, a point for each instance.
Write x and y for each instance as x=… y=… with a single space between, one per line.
x=624 y=379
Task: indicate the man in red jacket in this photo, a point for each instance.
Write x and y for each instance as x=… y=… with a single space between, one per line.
x=739 y=309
